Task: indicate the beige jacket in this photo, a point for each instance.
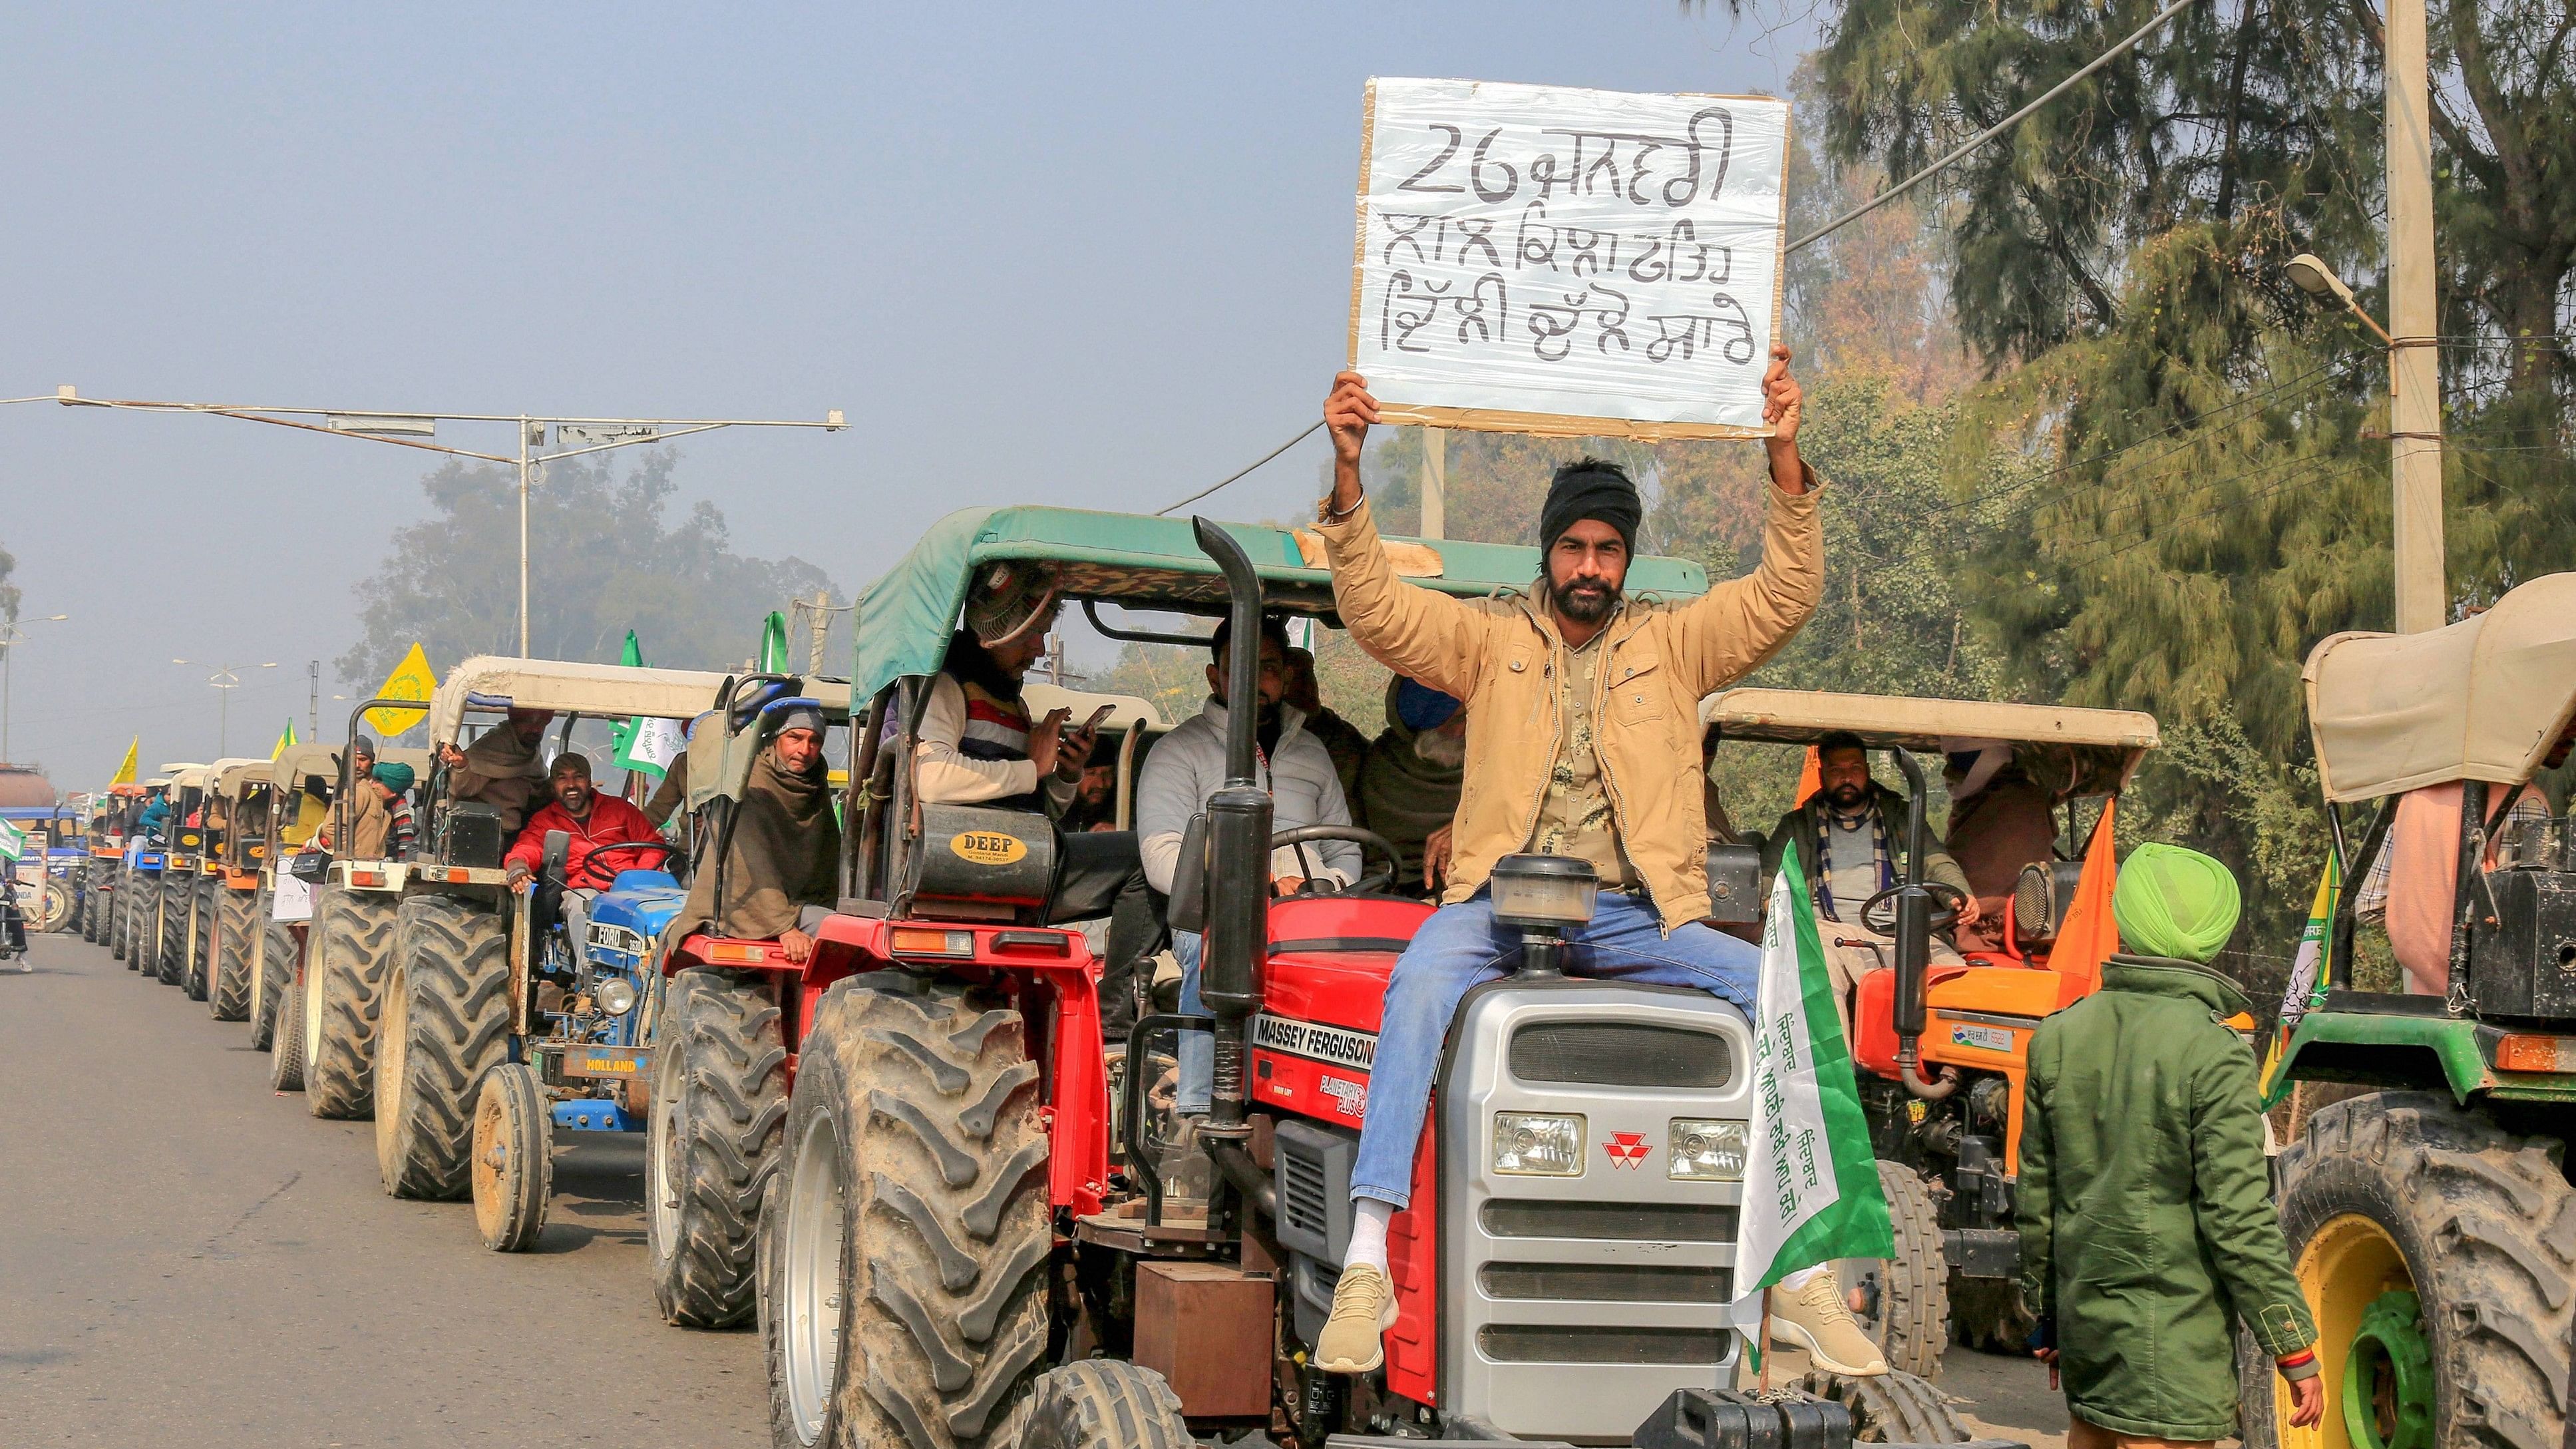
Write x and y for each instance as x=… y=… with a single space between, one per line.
x=1500 y=655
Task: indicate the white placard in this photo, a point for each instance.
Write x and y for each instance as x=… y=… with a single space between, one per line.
x=290 y=899
x=1541 y=259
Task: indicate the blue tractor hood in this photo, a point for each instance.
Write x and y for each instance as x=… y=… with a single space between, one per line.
x=640 y=901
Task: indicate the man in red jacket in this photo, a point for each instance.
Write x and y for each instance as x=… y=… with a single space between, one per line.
x=594 y=821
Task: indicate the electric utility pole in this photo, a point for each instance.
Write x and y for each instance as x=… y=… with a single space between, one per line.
x=2414 y=356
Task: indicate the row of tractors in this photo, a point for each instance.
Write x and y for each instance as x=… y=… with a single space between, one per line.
x=958 y=1216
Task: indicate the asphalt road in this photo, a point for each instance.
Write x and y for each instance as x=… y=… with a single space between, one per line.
x=187 y=1258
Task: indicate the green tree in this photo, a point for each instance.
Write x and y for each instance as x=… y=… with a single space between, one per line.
x=606 y=556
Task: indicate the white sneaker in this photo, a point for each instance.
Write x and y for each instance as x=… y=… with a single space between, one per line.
x=1816 y=1319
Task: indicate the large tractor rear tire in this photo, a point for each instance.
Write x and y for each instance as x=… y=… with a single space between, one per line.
x=2437 y=1250
x=286 y=1059
x=719 y=1101
x=272 y=973
x=344 y=987
x=236 y=932
x=93 y=913
x=1100 y=1403
x=446 y=1023
x=1905 y=1300
x=120 y=915
x=1893 y=1408
x=170 y=947
x=903 y=1248
x=197 y=936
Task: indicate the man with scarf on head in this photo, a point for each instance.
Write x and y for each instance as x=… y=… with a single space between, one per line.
x=1851 y=843
x=501 y=768
x=1583 y=740
x=1410 y=781
x=782 y=850
x=2148 y=1229
x=978 y=746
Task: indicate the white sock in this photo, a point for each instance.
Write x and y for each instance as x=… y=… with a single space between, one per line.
x=1797 y=1282
x=1369 y=1218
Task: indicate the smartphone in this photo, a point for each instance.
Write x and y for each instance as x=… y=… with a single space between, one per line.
x=1098 y=715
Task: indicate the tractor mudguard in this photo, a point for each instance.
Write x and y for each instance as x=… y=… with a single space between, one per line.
x=2422 y=1047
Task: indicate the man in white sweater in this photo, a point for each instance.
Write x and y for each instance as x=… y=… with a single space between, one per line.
x=1188 y=765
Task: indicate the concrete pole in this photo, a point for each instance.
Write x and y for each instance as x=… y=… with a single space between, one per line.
x=821 y=621
x=1435 y=483
x=2414 y=359
x=523 y=537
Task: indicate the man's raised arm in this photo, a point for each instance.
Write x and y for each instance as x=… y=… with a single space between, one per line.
x=1740 y=623
x=1417 y=632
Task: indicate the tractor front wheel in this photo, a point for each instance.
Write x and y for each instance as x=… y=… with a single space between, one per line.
x=236 y=931
x=1101 y=1403
x=2436 y=1249
x=719 y=1102
x=446 y=1023
x=344 y=999
x=513 y=1168
x=1903 y=1303
x=270 y=975
x=286 y=1055
x=903 y=1248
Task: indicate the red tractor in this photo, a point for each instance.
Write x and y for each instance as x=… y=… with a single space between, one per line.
x=963 y=1241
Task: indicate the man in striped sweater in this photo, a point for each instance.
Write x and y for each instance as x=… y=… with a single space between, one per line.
x=979 y=746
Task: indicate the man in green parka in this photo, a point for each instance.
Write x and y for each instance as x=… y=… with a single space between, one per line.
x=2147 y=1224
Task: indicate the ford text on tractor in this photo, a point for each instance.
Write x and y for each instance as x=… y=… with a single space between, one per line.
x=2431 y=1217
x=577 y=1004
x=957 y=1249
x=1942 y=1055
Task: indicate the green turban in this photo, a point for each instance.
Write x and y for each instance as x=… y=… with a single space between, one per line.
x=393 y=775
x=2175 y=903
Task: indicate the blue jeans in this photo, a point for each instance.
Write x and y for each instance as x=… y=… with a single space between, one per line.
x=1197 y=1048
x=1462 y=946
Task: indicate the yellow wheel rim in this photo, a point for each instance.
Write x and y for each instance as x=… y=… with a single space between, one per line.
x=2343 y=1270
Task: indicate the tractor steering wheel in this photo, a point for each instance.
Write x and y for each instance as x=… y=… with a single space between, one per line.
x=659 y=862
x=1878 y=913
x=1370 y=882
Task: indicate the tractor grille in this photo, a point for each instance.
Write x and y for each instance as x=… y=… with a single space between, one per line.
x=1304 y=1207
x=1625 y=1222
x=1513 y=1343
x=1607 y=1282
x=1621 y=1054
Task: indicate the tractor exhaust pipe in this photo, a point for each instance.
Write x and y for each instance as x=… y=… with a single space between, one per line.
x=1913 y=929
x=1238 y=850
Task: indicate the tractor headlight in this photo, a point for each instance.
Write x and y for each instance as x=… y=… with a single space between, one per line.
x=616 y=996
x=1529 y=1144
x=1707 y=1150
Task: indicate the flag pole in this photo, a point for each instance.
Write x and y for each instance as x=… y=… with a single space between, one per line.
x=1766 y=1343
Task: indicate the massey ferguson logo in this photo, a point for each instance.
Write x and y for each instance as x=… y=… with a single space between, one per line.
x=1626 y=1149
x=1343 y=1048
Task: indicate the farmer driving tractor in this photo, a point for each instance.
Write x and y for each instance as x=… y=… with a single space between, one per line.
x=782 y=851
x=1609 y=688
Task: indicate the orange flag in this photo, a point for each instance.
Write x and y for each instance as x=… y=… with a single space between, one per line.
x=2090 y=935
x=1811 y=777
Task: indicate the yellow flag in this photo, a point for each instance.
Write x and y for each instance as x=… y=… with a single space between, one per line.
x=125 y=772
x=411 y=679
x=285 y=738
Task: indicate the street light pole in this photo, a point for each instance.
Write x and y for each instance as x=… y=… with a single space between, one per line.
x=409 y=430
x=2414 y=366
x=225 y=679
x=11 y=636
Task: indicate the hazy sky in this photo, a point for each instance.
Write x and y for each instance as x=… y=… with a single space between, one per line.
x=1089 y=255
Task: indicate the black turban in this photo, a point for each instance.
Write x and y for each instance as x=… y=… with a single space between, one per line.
x=1582 y=493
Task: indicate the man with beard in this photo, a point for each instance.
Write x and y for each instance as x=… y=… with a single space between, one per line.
x=1188 y=765
x=1409 y=783
x=500 y=769
x=597 y=823
x=978 y=746
x=782 y=851
x=1583 y=735
x=1341 y=738
x=1851 y=842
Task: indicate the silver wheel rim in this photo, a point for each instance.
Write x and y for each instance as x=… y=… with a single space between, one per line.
x=659 y=1148
x=816 y=1234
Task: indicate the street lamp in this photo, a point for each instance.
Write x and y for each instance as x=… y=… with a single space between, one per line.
x=2310 y=274
x=10 y=637
x=412 y=429
x=227 y=677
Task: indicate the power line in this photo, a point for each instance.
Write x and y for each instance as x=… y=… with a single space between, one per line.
x=1257 y=462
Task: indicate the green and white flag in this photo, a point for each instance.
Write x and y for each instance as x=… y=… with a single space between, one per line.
x=648 y=745
x=1810 y=1180
x=13 y=841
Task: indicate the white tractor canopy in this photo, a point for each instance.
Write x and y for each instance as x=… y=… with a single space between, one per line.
x=2482 y=699
x=2072 y=750
x=233 y=776
x=491 y=684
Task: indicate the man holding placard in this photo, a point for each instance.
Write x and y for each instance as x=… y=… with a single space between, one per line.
x=1584 y=714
